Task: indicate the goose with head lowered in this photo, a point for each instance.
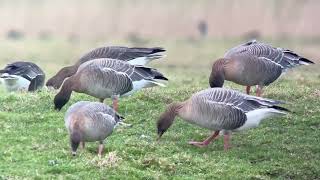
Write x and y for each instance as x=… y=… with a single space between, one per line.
x=134 y=55
x=90 y=121
x=220 y=110
x=254 y=63
x=104 y=78
x=21 y=75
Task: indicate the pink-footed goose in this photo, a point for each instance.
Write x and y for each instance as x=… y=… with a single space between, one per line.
x=254 y=63
x=220 y=109
x=135 y=56
x=90 y=121
x=104 y=78
x=245 y=70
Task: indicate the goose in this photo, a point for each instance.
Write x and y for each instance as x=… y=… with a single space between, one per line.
x=252 y=73
x=135 y=56
x=103 y=78
x=90 y=121
x=246 y=70
x=21 y=75
x=220 y=110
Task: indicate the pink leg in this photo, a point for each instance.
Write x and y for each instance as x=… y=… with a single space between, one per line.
x=205 y=143
x=259 y=91
x=226 y=141
x=82 y=145
x=100 y=150
x=248 y=89
x=115 y=102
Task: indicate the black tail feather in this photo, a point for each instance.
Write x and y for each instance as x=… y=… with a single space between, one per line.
x=158 y=75
x=280 y=108
x=305 y=60
x=157 y=49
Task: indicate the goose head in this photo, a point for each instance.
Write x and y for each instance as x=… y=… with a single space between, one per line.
x=60 y=101
x=166 y=118
x=57 y=80
x=217 y=78
x=64 y=95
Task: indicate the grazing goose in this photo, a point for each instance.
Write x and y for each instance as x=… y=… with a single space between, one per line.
x=257 y=50
x=103 y=78
x=245 y=70
x=90 y=121
x=220 y=109
x=22 y=75
x=135 y=56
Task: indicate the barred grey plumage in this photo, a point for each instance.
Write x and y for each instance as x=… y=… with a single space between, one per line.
x=284 y=57
x=220 y=109
x=89 y=121
x=136 y=56
x=226 y=107
x=122 y=53
x=103 y=78
x=244 y=69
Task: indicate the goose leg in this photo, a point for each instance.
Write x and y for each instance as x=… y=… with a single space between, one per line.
x=100 y=150
x=82 y=144
x=115 y=102
x=259 y=90
x=226 y=141
x=248 y=89
x=205 y=143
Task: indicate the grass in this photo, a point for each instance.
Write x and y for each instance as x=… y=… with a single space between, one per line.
x=34 y=142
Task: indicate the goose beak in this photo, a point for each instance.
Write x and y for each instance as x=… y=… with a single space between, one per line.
x=57 y=109
x=159 y=135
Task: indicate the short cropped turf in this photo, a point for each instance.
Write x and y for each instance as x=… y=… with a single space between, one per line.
x=34 y=143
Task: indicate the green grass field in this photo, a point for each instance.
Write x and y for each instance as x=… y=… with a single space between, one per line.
x=35 y=145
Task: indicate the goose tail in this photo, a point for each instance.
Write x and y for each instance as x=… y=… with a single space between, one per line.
x=292 y=59
x=158 y=75
x=280 y=109
x=147 y=55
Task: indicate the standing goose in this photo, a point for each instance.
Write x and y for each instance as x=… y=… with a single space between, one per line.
x=136 y=56
x=103 y=78
x=256 y=50
x=89 y=121
x=22 y=75
x=220 y=109
x=246 y=70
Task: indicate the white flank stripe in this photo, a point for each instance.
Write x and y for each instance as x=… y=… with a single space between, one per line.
x=139 y=61
x=254 y=117
x=137 y=85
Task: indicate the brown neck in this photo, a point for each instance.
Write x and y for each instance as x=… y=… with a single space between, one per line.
x=217 y=73
x=64 y=95
x=166 y=119
x=174 y=108
x=58 y=79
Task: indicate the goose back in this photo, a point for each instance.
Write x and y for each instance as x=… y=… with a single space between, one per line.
x=222 y=109
x=120 y=53
x=103 y=78
x=93 y=120
x=248 y=70
x=117 y=77
x=27 y=70
x=284 y=57
x=133 y=55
